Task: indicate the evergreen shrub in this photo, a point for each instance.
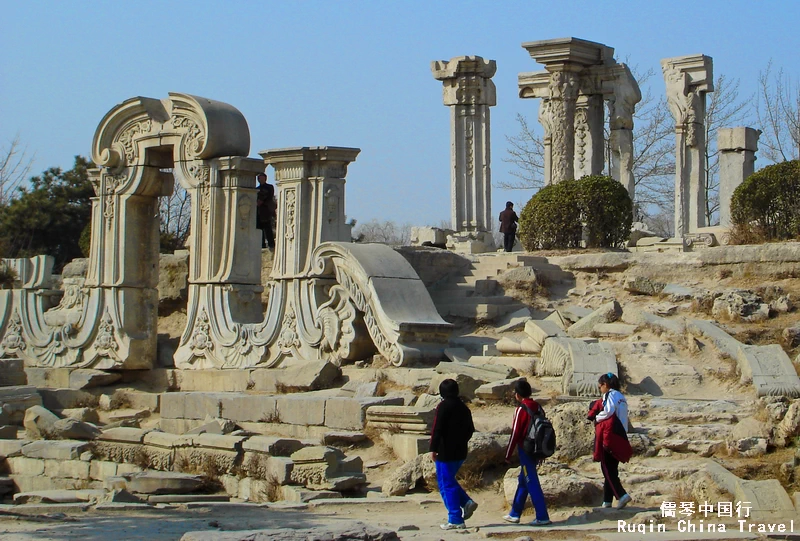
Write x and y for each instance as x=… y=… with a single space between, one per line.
x=555 y=217
x=766 y=206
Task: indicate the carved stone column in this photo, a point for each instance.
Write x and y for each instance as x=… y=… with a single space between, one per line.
x=624 y=96
x=737 y=157
x=469 y=92
x=688 y=79
x=571 y=111
x=310 y=185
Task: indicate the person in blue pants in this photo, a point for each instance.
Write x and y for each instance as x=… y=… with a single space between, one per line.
x=452 y=430
x=528 y=482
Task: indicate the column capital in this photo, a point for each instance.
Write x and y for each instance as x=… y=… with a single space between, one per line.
x=466 y=80
x=569 y=54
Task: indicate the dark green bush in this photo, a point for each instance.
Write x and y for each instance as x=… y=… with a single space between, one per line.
x=766 y=206
x=556 y=216
x=552 y=218
x=607 y=211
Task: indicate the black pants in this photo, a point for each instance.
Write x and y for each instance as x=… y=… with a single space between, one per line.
x=612 y=487
x=508 y=241
x=267 y=234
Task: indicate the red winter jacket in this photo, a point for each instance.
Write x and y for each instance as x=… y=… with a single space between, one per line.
x=609 y=435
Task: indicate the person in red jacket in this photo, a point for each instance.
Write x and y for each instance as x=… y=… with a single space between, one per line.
x=528 y=482
x=611 y=445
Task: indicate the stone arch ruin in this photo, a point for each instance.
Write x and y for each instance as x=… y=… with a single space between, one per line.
x=329 y=299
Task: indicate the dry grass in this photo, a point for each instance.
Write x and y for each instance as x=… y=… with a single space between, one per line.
x=470 y=480
x=272 y=491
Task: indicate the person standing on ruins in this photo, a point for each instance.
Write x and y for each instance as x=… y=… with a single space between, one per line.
x=452 y=430
x=528 y=482
x=611 y=445
x=265 y=211
x=508 y=226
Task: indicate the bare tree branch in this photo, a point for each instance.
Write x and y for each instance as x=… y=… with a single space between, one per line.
x=14 y=167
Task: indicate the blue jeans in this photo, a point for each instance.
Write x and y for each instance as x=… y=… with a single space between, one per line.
x=453 y=496
x=528 y=484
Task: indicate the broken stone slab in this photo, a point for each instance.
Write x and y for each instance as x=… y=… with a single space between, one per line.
x=521 y=364
x=218 y=441
x=557 y=318
x=61 y=399
x=768 y=499
x=427 y=401
x=165 y=440
x=789 y=428
x=408 y=419
x=555 y=356
x=162 y=482
x=770 y=370
x=457 y=355
x=128 y=414
x=343 y=438
x=120 y=496
x=514 y=347
x=677 y=293
x=641 y=285
x=540 y=330
x=635 y=316
x=704 y=448
x=513 y=321
x=483 y=373
x=302 y=409
x=56 y=450
x=193 y=405
x=58 y=496
x=87 y=415
x=607 y=313
x=16 y=400
x=299 y=494
x=84 y=378
x=12 y=448
x=725 y=343
x=497 y=390
x=39 y=422
x=272 y=445
x=614 y=329
x=311 y=376
x=72 y=429
x=574 y=313
x=123 y=435
x=214 y=426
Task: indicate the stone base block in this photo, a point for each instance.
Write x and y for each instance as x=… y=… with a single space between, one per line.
x=300 y=494
x=215 y=380
x=407 y=446
x=48 y=378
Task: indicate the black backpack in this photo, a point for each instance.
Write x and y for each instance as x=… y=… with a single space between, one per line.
x=540 y=438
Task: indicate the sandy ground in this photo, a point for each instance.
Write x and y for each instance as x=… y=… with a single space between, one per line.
x=414 y=517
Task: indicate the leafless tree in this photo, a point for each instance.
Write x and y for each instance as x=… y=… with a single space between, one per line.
x=175 y=211
x=723 y=110
x=778 y=115
x=386 y=232
x=14 y=167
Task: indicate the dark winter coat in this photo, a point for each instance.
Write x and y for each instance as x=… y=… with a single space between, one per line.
x=452 y=430
x=508 y=221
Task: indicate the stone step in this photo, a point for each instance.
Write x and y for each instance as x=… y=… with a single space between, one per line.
x=477 y=311
x=498 y=300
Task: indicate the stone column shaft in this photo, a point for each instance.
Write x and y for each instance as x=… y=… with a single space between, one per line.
x=737 y=156
x=589 y=145
x=688 y=79
x=469 y=92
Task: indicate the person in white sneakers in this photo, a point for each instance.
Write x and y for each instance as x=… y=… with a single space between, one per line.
x=528 y=483
x=611 y=445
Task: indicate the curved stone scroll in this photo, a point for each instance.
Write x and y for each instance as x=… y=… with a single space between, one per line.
x=578 y=363
x=397 y=309
x=109 y=322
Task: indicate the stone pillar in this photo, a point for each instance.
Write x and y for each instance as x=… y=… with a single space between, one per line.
x=621 y=106
x=589 y=144
x=688 y=79
x=469 y=92
x=579 y=75
x=737 y=156
x=310 y=187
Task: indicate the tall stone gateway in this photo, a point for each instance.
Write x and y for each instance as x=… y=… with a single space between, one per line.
x=469 y=92
x=579 y=75
x=329 y=299
x=688 y=80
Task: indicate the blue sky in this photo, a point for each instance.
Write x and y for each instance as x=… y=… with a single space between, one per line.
x=344 y=73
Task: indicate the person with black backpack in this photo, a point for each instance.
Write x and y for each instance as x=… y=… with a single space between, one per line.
x=528 y=483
